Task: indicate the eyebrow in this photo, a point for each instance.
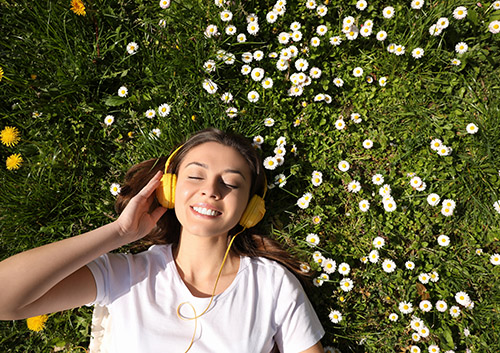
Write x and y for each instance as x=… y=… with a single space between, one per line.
x=205 y=166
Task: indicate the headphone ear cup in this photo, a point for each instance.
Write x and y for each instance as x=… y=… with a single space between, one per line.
x=165 y=193
x=254 y=212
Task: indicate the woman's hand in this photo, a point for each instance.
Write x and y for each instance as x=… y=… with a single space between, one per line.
x=135 y=221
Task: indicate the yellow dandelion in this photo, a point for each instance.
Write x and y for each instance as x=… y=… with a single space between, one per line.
x=78 y=7
x=1 y=74
x=37 y=323
x=9 y=136
x=14 y=161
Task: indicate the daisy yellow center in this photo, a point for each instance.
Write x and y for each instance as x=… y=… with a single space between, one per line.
x=346 y=284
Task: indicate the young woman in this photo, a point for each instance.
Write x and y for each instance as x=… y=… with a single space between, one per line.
x=190 y=291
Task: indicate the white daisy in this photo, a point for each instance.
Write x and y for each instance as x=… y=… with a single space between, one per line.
x=443 y=240
x=226 y=97
x=269 y=122
x=414 y=349
x=390 y=205
x=232 y=112
x=460 y=13
x=434 y=30
x=381 y=35
x=433 y=199
x=246 y=69
x=393 y=317
x=417 y=53
x=461 y=48
x=415 y=182
x=335 y=40
x=417 y=4
x=312 y=239
x=132 y=48
x=283 y=37
x=364 y=205
x=434 y=276
x=405 y=307
x=424 y=278
x=271 y=17
x=270 y=163
x=373 y=256
x=226 y=16
x=115 y=189
x=385 y=190
x=164 y=110
x=122 y=91
x=494 y=27
x=378 y=242
x=441 y=306
x=335 y=315
x=354 y=186
x=415 y=336
x=361 y=5
x=164 y=4
x=258 y=55
x=357 y=72
x=416 y=323
x=321 y=10
x=241 y=38
x=344 y=166
x=388 y=266
x=472 y=128
x=425 y=305
x=410 y=265
x=155 y=133
x=346 y=284
x=150 y=113
x=388 y=12
x=344 y=269
x=338 y=82
x=496 y=206
x=455 y=311
x=301 y=65
x=109 y=119
x=257 y=74
x=462 y=298
x=253 y=96
x=302 y=203
x=367 y=144
x=329 y=266
x=433 y=349
x=377 y=179
x=253 y=28
x=495 y=259
x=211 y=31
x=423 y=331
x=210 y=86
x=340 y=124
x=230 y=30
x=442 y=23
x=382 y=81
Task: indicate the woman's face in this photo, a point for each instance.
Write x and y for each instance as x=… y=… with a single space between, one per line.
x=213 y=186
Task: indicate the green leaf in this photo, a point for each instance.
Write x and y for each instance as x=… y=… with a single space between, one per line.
x=114 y=101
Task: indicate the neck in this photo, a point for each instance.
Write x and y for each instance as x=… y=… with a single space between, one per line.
x=200 y=258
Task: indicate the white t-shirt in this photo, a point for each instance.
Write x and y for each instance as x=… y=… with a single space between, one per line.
x=264 y=304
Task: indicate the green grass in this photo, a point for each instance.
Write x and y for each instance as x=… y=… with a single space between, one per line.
x=69 y=69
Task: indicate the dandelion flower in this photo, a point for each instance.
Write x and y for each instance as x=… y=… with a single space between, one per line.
x=109 y=119
x=312 y=239
x=460 y=13
x=495 y=259
x=14 y=161
x=405 y=307
x=78 y=7
x=335 y=316
x=346 y=284
x=37 y=323
x=472 y=128
x=9 y=136
x=388 y=266
x=443 y=240
x=132 y=48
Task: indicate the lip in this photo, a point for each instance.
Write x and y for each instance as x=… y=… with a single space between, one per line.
x=207 y=206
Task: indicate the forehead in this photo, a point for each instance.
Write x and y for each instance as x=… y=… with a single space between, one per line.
x=217 y=157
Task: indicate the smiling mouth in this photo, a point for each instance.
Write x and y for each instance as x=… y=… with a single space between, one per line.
x=206 y=211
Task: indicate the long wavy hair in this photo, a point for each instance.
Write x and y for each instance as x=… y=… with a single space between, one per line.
x=168 y=228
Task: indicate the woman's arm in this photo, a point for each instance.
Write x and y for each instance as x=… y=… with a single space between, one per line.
x=54 y=277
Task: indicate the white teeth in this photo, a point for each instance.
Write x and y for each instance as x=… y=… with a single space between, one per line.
x=206 y=211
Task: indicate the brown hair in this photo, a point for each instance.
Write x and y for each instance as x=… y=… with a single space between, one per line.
x=167 y=230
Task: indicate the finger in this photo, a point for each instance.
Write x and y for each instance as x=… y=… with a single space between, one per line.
x=151 y=185
x=157 y=213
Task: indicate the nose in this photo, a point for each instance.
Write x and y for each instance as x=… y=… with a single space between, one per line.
x=212 y=188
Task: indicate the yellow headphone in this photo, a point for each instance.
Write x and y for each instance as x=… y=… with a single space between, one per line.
x=165 y=193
